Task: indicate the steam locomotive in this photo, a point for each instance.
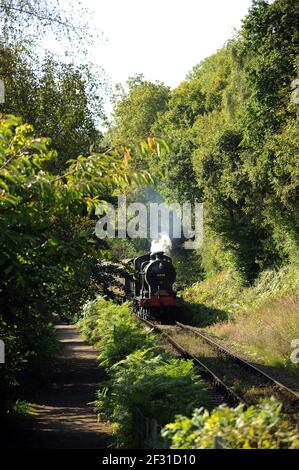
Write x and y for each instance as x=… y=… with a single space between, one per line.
x=151 y=286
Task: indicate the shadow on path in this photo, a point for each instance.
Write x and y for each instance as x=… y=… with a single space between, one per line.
x=64 y=419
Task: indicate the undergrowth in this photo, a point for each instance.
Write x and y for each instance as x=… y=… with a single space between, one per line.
x=261 y=319
x=140 y=374
x=263 y=426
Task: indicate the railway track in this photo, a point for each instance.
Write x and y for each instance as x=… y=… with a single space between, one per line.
x=217 y=391
x=231 y=378
x=251 y=368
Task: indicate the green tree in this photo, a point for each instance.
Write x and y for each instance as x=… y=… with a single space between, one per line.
x=136 y=109
x=48 y=254
x=186 y=103
x=60 y=100
x=270 y=121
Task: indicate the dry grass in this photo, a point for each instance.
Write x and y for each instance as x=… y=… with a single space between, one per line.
x=235 y=376
x=261 y=319
x=266 y=332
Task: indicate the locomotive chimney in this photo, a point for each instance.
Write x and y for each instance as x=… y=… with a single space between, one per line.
x=159 y=255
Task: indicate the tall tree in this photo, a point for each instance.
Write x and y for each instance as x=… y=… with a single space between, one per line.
x=136 y=109
x=61 y=101
x=24 y=19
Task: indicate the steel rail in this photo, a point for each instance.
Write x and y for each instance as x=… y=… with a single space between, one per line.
x=243 y=362
x=206 y=371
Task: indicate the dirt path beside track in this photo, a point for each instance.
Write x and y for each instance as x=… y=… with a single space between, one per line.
x=64 y=419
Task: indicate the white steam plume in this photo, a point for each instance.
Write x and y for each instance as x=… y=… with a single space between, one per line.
x=163 y=243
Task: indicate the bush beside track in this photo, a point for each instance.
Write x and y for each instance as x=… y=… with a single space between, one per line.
x=263 y=426
x=140 y=374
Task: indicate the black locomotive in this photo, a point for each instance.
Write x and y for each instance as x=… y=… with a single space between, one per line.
x=151 y=286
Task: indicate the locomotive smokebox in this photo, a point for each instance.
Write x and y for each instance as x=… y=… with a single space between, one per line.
x=159 y=273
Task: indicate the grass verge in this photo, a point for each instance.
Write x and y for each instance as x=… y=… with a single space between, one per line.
x=261 y=320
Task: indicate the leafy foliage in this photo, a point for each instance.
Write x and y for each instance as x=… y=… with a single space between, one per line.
x=141 y=375
x=113 y=329
x=226 y=291
x=136 y=109
x=258 y=427
x=158 y=385
x=48 y=252
x=61 y=100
